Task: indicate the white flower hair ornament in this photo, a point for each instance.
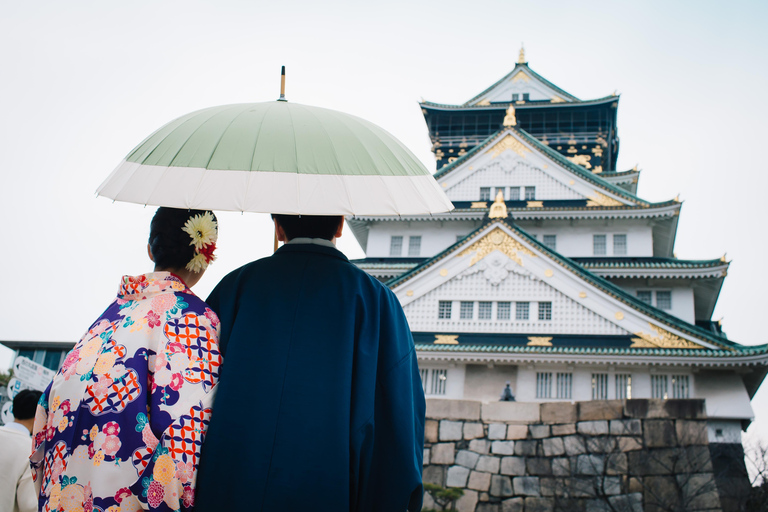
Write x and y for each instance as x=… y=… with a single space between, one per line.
x=204 y=232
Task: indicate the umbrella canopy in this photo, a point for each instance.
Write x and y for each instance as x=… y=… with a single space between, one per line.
x=276 y=157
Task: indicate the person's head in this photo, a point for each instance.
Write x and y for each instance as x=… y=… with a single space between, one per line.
x=289 y=227
x=182 y=241
x=25 y=406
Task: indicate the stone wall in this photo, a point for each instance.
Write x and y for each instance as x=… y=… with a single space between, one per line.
x=632 y=455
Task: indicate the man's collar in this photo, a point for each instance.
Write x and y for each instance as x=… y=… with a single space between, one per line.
x=316 y=241
x=329 y=250
x=17 y=427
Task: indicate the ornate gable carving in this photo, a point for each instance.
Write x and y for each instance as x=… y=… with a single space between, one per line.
x=599 y=199
x=664 y=339
x=497 y=240
x=495 y=268
x=508 y=143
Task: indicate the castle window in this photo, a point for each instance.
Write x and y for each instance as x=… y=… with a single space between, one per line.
x=515 y=97
x=526 y=96
x=530 y=193
x=545 y=311
x=502 y=190
x=444 y=310
x=414 y=246
x=503 y=310
x=467 y=310
x=514 y=193
x=434 y=380
x=564 y=385
x=598 y=245
x=623 y=386
x=659 y=386
x=599 y=386
x=544 y=385
x=619 y=245
x=521 y=310
x=550 y=241
x=680 y=386
x=484 y=311
x=664 y=300
x=396 y=246
x=645 y=296
x=485 y=193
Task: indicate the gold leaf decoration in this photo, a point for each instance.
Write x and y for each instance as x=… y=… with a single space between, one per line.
x=599 y=199
x=498 y=208
x=508 y=142
x=663 y=339
x=497 y=240
x=534 y=204
x=557 y=99
x=580 y=160
x=483 y=103
x=539 y=341
x=446 y=339
x=479 y=204
x=521 y=76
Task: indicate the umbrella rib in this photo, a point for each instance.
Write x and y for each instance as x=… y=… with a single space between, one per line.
x=296 y=157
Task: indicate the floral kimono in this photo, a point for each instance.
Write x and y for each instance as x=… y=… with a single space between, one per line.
x=121 y=426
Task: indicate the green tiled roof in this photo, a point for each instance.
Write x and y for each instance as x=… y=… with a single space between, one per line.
x=515 y=349
x=649 y=262
x=522 y=106
x=535 y=75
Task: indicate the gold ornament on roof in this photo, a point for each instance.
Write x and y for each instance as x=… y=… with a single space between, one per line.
x=663 y=339
x=539 y=341
x=598 y=199
x=521 y=57
x=557 y=99
x=498 y=208
x=582 y=160
x=510 y=119
x=497 y=240
x=446 y=339
x=508 y=142
x=483 y=103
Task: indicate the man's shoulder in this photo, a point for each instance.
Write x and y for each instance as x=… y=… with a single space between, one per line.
x=11 y=436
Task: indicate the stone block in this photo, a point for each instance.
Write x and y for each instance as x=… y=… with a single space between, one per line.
x=660 y=434
x=479 y=481
x=695 y=459
x=661 y=461
x=592 y=428
x=443 y=453
x=512 y=412
x=553 y=447
x=601 y=444
x=467 y=458
x=539 y=431
x=660 y=493
x=564 y=430
x=580 y=487
x=497 y=431
x=484 y=496
x=451 y=430
x=590 y=465
x=473 y=431
x=428 y=501
x=442 y=409
x=480 y=446
x=656 y=408
x=434 y=475
x=512 y=505
x=627 y=502
x=548 y=486
x=635 y=485
x=598 y=505
x=430 y=431
x=457 y=476
x=488 y=464
x=561 y=466
x=633 y=427
x=616 y=464
x=514 y=466
x=468 y=502
x=559 y=412
x=691 y=432
x=538 y=466
x=425 y=457
x=601 y=410
x=501 y=486
x=488 y=507
x=574 y=445
x=539 y=504
x=628 y=444
x=504 y=447
x=525 y=448
x=611 y=485
x=526 y=486
x=517 y=432
x=699 y=491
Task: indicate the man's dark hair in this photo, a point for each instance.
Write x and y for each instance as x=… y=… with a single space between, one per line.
x=309 y=226
x=169 y=243
x=25 y=404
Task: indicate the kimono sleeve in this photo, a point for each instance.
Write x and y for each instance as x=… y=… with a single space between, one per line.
x=167 y=483
x=387 y=452
x=39 y=433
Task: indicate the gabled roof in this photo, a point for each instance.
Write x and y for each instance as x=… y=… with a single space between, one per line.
x=531 y=104
x=649 y=262
x=523 y=67
x=548 y=152
x=603 y=285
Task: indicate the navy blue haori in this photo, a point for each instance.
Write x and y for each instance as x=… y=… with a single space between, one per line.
x=319 y=405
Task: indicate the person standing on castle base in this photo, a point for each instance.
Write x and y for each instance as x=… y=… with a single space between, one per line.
x=320 y=403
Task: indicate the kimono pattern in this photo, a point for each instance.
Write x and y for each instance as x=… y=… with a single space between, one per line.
x=121 y=426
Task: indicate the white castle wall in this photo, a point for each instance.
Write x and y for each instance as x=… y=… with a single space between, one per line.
x=574 y=239
x=435 y=236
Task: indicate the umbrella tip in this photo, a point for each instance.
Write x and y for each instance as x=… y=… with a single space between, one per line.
x=282 y=85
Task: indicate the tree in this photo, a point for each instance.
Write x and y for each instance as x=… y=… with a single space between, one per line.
x=442 y=496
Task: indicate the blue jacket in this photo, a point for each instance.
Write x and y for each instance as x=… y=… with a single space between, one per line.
x=319 y=405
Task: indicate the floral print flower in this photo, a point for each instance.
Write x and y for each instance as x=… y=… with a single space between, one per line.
x=153 y=319
x=164 y=470
x=111 y=445
x=184 y=471
x=105 y=363
x=111 y=428
x=98 y=458
x=176 y=382
x=65 y=406
x=212 y=317
x=148 y=437
x=155 y=494
x=122 y=494
x=202 y=229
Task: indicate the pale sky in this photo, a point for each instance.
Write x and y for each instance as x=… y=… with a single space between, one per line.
x=84 y=82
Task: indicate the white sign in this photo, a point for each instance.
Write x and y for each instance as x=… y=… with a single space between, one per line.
x=15 y=386
x=33 y=375
x=7 y=415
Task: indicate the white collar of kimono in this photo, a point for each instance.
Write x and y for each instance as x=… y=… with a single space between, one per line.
x=17 y=427
x=316 y=241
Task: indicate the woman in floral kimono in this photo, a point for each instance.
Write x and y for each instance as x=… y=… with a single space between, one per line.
x=121 y=425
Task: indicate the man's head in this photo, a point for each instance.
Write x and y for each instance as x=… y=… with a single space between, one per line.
x=289 y=227
x=25 y=406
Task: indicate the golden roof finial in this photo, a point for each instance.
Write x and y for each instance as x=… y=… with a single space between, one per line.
x=498 y=208
x=510 y=119
x=521 y=58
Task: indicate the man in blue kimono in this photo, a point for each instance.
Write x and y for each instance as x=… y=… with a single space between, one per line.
x=319 y=404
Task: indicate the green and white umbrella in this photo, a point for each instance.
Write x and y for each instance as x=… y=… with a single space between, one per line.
x=276 y=157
